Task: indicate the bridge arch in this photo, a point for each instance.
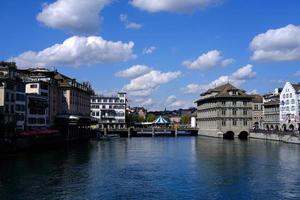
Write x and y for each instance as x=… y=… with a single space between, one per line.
x=291 y=127
x=229 y=135
x=243 y=135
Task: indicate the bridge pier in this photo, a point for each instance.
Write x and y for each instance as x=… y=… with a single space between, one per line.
x=153 y=131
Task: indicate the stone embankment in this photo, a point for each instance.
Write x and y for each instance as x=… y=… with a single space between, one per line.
x=287 y=137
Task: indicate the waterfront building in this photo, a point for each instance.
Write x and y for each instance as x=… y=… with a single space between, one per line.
x=12 y=96
x=290 y=107
x=66 y=97
x=109 y=111
x=271 y=110
x=40 y=81
x=37 y=111
x=224 y=111
x=257 y=111
x=76 y=96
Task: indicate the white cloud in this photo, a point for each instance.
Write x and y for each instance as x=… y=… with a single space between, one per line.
x=281 y=44
x=147 y=102
x=173 y=103
x=173 y=5
x=227 y=62
x=145 y=84
x=134 y=71
x=253 y=91
x=149 y=50
x=80 y=17
x=76 y=51
x=237 y=78
x=128 y=24
x=297 y=73
x=208 y=60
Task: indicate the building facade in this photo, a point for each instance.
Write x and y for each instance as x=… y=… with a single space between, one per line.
x=224 y=111
x=12 y=95
x=290 y=107
x=109 y=111
x=271 y=110
x=257 y=112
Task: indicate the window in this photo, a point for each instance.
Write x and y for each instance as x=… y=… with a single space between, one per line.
x=33 y=86
x=234 y=123
x=12 y=109
x=6 y=96
x=234 y=103
x=245 y=123
x=234 y=112
x=223 y=103
x=291 y=95
x=223 y=122
x=245 y=112
x=292 y=108
x=223 y=112
x=283 y=95
x=255 y=107
x=245 y=103
x=287 y=102
x=293 y=101
x=287 y=108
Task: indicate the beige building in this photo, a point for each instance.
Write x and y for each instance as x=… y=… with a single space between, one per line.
x=224 y=111
x=271 y=110
x=76 y=96
x=257 y=112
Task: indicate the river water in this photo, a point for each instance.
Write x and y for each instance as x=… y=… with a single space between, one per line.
x=155 y=168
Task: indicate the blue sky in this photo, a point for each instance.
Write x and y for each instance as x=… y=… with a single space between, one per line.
x=192 y=45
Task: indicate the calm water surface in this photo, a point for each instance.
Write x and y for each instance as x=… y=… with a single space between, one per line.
x=155 y=168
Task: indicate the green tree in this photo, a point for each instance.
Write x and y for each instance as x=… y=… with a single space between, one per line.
x=150 y=117
x=185 y=119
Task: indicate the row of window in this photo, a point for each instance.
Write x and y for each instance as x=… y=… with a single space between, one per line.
x=287 y=108
x=118 y=114
x=234 y=122
x=234 y=112
x=287 y=102
x=107 y=100
x=36 y=121
x=107 y=106
x=288 y=95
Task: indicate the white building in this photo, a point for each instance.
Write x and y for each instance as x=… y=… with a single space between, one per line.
x=290 y=107
x=110 y=111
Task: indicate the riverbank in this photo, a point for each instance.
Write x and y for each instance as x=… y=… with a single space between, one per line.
x=284 y=137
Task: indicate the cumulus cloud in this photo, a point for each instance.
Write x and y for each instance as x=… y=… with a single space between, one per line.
x=208 y=60
x=134 y=71
x=237 y=78
x=80 y=17
x=149 y=50
x=281 y=44
x=172 y=102
x=76 y=51
x=145 y=84
x=173 y=5
x=128 y=24
x=297 y=73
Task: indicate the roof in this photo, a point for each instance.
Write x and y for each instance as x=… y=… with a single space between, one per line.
x=257 y=98
x=160 y=120
x=271 y=103
x=223 y=91
x=296 y=86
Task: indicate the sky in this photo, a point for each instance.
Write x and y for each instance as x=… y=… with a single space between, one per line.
x=163 y=53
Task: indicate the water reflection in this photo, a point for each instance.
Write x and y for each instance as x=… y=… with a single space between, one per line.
x=156 y=168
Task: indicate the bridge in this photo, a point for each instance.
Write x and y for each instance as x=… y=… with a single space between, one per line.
x=149 y=132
